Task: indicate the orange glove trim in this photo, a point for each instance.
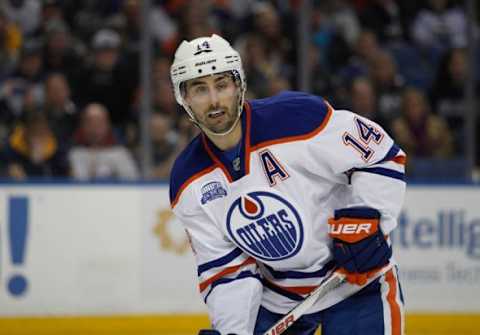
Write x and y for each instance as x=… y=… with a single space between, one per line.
x=352 y=230
x=360 y=279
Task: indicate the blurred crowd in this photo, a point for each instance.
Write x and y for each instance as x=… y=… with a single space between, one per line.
x=70 y=89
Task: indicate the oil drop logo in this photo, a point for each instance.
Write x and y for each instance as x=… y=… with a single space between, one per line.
x=265 y=225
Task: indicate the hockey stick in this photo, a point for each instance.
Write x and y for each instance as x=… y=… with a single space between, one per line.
x=334 y=280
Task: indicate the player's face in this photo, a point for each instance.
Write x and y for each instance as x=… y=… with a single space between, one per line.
x=213 y=100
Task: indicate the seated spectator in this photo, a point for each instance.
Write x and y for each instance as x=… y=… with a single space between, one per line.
x=419 y=132
x=321 y=80
x=277 y=85
x=28 y=73
x=25 y=13
x=259 y=68
x=366 y=47
x=165 y=145
x=440 y=27
x=96 y=152
x=59 y=108
x=107 y=80
x=329 y=33
x=62 y=52
x=448 y=93
x=10 y=42
x=364 y=101
x=164 y=99
x=266 y=50
x=186 y=129
x=388 y=84
x=33 y=151
x=389 y=19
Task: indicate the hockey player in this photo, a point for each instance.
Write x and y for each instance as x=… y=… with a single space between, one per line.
x=277 y=193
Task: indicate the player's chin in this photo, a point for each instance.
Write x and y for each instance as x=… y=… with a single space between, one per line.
x=220 y=127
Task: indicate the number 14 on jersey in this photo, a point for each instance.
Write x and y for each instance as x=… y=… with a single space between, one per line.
x=361 y=140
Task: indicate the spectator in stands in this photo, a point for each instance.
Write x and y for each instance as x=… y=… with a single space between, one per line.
x=342 y=15
x=51 y=11
x=277 y=85
x=108 y=80
x=87 y=17
x=163 y=28
x=419 y=131
x=10 y=42
x=96 y=152
x=59 y=108
x=164 y=99
x=161 y=68
x=448 y=92
x=24 y=13
x=321 y=80
x=329 y=35
x=364 y=100
x=165 y=145
x=389 y=19
x=440 y=27
x=269 y=39
x=365 y=49
x=34 y=151
x=61 y=52
x=258 y=67
x=28 y=73
x=195 y=19
x=186 y=130
x=388 y=84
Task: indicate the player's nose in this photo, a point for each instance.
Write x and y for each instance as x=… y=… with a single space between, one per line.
x=213 y=95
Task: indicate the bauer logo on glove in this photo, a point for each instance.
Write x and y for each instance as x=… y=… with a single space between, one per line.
x=359 y=246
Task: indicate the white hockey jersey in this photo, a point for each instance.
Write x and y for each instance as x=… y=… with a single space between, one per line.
x=259 y=230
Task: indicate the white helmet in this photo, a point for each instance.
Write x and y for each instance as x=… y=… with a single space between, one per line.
x=202 y=57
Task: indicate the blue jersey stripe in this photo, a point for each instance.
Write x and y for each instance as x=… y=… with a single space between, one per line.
x=391 y=154
x=219 y=261
x=278 y=290
x=244 y=274
x=384 y=172
x=300 y=275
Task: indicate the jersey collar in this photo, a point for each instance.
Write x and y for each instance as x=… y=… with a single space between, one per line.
x=219 y=158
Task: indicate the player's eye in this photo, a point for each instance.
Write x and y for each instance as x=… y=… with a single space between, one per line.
x=221 y=85
x=200 y=90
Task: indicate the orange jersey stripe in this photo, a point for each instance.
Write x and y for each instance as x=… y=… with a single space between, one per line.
x=190 y=180
x=298 y=137
x=203 y=285
x=395 y=315
x=302 y=290
x=402 y=160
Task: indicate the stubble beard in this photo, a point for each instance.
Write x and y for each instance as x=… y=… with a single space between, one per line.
x=230 y=116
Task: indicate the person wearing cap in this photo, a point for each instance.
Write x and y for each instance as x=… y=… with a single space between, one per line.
x=107 y=79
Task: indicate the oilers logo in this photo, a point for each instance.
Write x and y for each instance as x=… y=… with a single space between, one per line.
x=265 y=225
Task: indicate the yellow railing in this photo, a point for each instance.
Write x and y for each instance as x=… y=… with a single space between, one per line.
x=416 y=324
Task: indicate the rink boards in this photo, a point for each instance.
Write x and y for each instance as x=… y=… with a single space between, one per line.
x=89 y=251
